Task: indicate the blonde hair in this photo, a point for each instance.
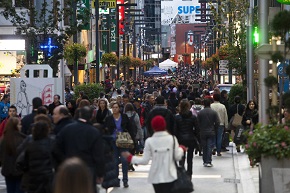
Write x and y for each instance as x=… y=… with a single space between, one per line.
x=73 y=176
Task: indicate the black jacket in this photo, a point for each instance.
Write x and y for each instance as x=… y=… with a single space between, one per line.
x=27 y=121
x=125 y=124
x=186 y=127
x=251 y=115
x=208 y=121
x=9 y=161
x=82 y=140
x=164 y=112
x=37 y=164
x=61 y=124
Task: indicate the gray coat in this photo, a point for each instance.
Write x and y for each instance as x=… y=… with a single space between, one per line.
x=208 y=121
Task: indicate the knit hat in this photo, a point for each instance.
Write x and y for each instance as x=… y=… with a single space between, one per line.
x=158 y=123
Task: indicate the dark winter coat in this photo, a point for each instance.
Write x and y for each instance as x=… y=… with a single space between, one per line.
x=251 y=115
x=164 y=112
x=102 y=115
x=82 y=140
x=186 y=128
x=37 y=164
x=9 y=161
x=111 y=176
x=27 y=121
x=234 y=108
x=208 y=121
x=61 y=124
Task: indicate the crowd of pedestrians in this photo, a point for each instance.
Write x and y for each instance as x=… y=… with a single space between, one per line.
x=43 y=151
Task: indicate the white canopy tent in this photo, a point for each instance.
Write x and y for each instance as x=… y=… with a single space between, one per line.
x=167 y=64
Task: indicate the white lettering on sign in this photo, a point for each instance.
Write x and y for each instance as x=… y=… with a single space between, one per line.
x=223 y=71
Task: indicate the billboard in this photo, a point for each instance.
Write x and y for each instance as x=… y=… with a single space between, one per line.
x=184 y=10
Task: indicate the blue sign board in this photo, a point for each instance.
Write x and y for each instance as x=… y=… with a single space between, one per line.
x=188 y=9
x=281 y=69
x=286 y=85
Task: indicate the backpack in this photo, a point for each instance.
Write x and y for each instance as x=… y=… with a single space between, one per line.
x=133 y=124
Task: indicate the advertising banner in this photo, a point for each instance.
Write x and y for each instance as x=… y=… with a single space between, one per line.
x=186 y=9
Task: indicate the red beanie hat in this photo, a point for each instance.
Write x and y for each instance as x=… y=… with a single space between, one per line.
x=158 y=123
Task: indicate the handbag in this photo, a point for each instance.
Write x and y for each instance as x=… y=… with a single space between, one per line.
x=239 y=137
x=124 y=140
x=237 y=120
x=182 y=183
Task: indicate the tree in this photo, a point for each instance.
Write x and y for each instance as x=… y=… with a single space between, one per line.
x=110 y=59
x=74 y=52
x=233 y=34
x=37 y=26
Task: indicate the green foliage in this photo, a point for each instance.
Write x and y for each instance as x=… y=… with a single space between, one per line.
x=38 y=25
x=269 y=140
x=277 y=56
x=74 y=52
x=280 y=24
x=271 y=81
x=238 y=89
x=109 y=58
x=149 y=63
x=91 y=90
x=125 y=61
x=136 y=62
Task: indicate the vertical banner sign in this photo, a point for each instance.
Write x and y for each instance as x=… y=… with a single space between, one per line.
x=203 y=12
x=121 y=16
x=104 y=32
x=113 y=33
x=87 y=4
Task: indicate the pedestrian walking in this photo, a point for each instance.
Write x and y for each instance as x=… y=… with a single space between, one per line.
x=186 y=131
x=119 y=122
x=12 y=138
x=208 y=122
x=159 y=149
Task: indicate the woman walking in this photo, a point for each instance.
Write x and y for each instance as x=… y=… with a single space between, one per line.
x=8 y=154
x=119 y=122
x=160 y=149
x=186 y=130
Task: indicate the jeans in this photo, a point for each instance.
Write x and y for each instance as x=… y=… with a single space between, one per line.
x=13 y=184
x=117 y=158
x=219 y=138
x=207 y=143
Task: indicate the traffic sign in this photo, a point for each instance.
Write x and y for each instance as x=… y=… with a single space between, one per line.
x=224 y=62
x=265 y=51
x=281 y=69
x=223 y=71
x=208 y=72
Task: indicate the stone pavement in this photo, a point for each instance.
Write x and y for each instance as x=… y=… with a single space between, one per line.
x=231 y=173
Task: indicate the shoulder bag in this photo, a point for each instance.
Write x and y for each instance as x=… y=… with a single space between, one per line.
x=237 y=120
x=182 y=183
x=124 y=140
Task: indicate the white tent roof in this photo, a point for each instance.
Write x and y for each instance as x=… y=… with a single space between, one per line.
x=167 y=64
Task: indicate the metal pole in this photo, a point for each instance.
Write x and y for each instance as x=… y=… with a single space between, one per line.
x=61 y=64
x=250 y=55
x=75 y=40
x=97 y=42
x=274 y=73
x=118 y=42
x=263 y=63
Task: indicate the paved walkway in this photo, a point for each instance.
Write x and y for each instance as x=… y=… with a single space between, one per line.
x=231 y=173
